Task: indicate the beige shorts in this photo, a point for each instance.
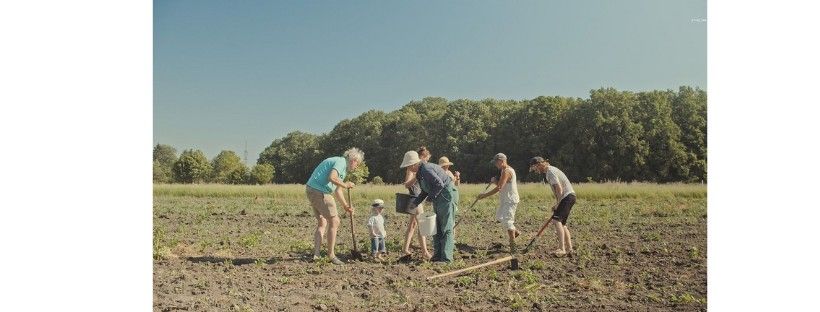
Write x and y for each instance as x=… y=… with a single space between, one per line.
x=323 y=204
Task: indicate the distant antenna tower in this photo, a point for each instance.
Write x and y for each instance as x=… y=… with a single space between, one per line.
x=246 y=152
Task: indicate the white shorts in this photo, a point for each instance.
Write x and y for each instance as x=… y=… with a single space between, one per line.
x=506 y=215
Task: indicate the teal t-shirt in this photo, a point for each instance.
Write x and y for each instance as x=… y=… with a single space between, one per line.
x=319 y=178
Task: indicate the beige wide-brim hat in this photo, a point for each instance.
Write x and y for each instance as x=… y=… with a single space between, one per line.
x=444 y=161
x=410 y=158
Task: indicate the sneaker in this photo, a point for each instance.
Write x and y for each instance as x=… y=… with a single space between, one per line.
x=336 y=261
x=559 y=253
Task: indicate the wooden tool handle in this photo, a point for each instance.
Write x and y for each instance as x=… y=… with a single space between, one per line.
x=505 y=259
x=541 y=231
x=352 y=232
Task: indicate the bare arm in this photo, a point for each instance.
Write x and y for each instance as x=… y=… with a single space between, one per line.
x=409 y=179
x=557 y=191
x=339 y=193
x=333 y=177
x=505 y=178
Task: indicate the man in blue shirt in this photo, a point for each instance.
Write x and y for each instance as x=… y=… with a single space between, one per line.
x=436 y=184
x=326 y=179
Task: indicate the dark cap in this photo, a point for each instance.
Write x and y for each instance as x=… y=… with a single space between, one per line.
x=536 y=160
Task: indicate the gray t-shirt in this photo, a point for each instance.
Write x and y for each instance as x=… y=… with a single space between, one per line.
x=556 y=176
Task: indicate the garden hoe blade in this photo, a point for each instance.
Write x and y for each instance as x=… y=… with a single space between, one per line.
x=354 y=254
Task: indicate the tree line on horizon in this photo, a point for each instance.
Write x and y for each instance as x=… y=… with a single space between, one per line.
x=650 y=136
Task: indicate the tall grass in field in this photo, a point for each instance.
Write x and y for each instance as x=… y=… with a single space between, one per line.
x=527 y=191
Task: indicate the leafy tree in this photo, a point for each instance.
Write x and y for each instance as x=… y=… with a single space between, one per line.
x=403 y=131
x=613 y=135
x=667 y=158
x=161 y=174
x=165 y=154
x=191 y=167
x=364 y=132
x=358 y=176
x=227 y=168
x=603 y=142
x=295 y=155
x=532 y=128
x=689 y=113
x=164 y=158
x=262 y=173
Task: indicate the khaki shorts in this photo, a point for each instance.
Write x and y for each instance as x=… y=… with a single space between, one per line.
x=323 y=204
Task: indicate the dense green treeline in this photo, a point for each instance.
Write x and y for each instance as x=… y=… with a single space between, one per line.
x=656 y=136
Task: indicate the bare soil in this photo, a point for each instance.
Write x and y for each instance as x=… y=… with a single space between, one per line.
x=251 y=254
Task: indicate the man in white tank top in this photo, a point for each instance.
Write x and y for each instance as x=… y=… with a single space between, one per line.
x=507 y=187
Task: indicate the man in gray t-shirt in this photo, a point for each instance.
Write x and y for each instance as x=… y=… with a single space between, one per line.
x=564 y=200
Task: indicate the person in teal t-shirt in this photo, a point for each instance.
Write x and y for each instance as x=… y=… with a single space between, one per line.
x=325 y=183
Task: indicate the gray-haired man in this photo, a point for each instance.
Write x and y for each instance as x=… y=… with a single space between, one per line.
x=328 y=178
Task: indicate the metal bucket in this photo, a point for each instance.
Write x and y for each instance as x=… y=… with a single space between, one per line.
x=403 y=202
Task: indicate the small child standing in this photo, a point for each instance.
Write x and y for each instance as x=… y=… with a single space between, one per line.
x=375 y=225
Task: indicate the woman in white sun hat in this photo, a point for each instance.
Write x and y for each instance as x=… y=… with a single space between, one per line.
x=414 y=188
x=439 y=187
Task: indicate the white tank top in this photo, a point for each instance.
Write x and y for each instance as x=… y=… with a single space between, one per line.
x=509 y=193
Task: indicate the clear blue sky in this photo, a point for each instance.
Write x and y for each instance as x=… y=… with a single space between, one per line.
x=230 y=71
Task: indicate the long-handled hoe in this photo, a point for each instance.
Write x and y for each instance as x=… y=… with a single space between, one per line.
x=354 y=254
x=541 y=231
x=473 y=204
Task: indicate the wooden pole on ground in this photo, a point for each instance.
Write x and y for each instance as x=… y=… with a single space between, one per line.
x=505 y=259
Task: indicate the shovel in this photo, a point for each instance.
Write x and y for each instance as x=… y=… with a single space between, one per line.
x=355 y=254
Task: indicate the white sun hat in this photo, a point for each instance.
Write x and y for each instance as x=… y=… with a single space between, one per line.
x=410 y=158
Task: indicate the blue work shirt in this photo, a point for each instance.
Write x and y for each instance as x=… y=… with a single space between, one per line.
x=435 y=177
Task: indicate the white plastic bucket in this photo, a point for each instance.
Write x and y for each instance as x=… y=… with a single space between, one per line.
x=427 y=224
